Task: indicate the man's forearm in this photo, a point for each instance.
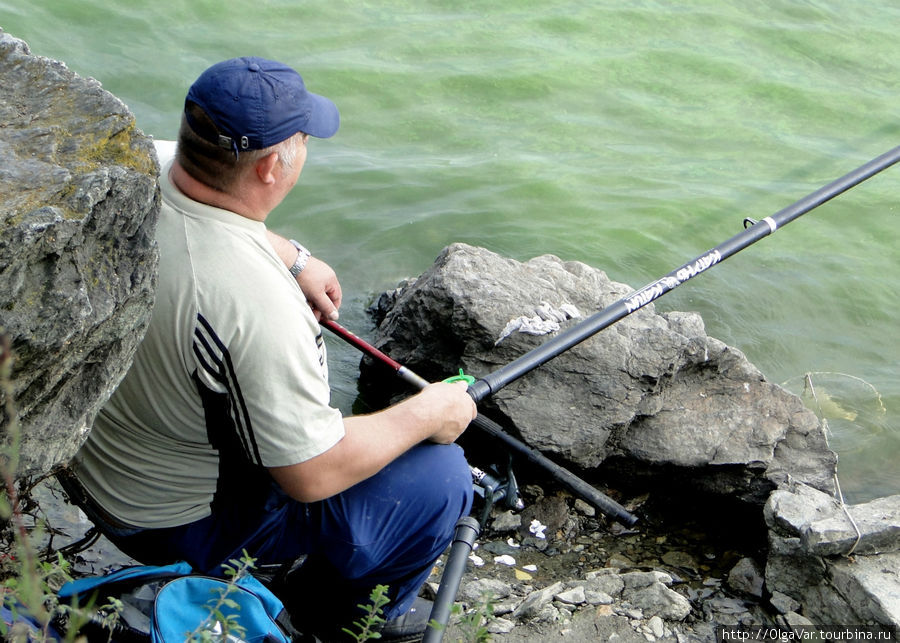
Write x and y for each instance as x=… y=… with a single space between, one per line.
x=439 y=413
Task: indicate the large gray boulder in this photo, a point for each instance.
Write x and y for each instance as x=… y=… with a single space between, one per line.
x=78 y=208
x=653 y=390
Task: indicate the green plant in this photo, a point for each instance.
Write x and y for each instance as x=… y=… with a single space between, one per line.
x=473 y=623
x=374 y=616
x=218 y=626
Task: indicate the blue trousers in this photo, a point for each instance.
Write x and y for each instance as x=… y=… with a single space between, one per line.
x=388 y=529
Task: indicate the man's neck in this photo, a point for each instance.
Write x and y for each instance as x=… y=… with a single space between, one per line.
x=198 y=191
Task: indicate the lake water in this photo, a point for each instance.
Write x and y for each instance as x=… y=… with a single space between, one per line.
x=632 y=136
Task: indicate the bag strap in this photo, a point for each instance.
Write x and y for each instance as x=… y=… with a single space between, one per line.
x=125 y=577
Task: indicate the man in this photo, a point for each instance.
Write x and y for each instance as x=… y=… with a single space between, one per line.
x=221 y=438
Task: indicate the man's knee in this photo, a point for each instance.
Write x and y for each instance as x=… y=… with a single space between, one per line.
x=445 y=475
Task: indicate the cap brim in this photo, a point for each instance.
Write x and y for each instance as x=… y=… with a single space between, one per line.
x=324 y=118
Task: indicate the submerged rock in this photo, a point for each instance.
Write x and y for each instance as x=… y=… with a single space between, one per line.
x=78 y=209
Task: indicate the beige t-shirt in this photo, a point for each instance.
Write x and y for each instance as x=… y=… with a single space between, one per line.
x=230 y=379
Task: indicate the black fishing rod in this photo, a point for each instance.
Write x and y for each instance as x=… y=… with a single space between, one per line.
x=753 y=232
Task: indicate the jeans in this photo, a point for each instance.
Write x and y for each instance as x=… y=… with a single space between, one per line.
x=388 y=529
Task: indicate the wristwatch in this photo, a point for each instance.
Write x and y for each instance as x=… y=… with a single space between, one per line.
x=302 y=257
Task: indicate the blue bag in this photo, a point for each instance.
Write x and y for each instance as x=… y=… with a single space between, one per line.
x=15 y=617
x=171 y=603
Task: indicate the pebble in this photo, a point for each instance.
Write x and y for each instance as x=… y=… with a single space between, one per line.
x=572 y=596
x=593 y=597
x=657 y=627
x=500 y=626
x=584 y=508
x=506 y=521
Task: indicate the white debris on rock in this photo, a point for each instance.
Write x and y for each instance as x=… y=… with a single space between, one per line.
x=546 y=319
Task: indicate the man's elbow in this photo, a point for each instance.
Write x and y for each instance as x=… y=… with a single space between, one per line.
x=301 y=485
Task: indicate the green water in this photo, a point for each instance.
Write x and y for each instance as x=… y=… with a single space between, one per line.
x=632 y=136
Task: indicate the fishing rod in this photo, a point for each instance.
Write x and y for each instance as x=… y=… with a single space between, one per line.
x=568 y=479
x=753 y=232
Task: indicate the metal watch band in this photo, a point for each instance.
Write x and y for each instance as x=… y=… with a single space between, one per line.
x=302 y=257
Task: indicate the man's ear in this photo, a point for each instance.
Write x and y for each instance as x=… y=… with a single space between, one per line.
x=265 y=168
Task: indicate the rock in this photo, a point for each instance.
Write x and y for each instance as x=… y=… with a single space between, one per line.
x=870 y=586
x=679 y=559
x=746 y=578
x=572 y=596
x=506 y=521
x=808 y=532
x=536 y=601
x=593 y=597
x=656 y=599
x=783 y=603
x=497 y=547
x=78 y=208
x=477 y=591
x=651 y=390
x=727 y=611
x=794 y=622
x=584 y=508
x=657 y=627
x=605 y=581
x=637 y=580
x=620 y=561
x=500 y=626
x=878 y=522
x=550 y=511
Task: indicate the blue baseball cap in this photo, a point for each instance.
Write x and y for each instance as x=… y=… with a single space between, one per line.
x=256 y=103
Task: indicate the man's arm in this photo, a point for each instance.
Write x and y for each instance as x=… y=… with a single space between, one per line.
x=317 y=281
x=440 y=413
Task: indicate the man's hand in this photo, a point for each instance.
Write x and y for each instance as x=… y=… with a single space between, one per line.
x=323 y=291
x=451 y=409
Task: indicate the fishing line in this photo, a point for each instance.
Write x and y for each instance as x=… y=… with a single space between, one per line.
x=837 y=484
